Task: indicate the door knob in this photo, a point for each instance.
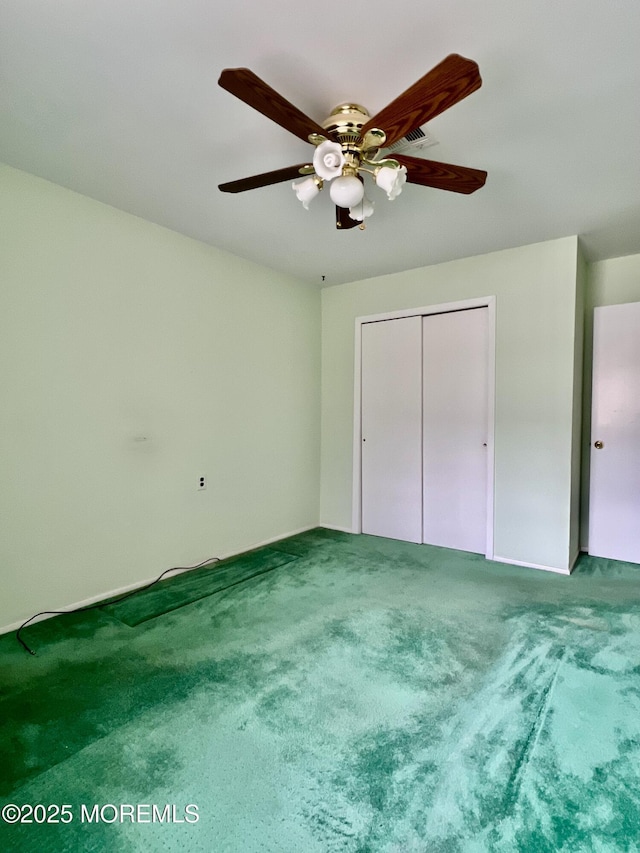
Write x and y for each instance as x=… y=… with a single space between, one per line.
x=598 y=445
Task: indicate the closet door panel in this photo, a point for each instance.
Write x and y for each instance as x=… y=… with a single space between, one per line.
x=455 y=350
x=391 y=438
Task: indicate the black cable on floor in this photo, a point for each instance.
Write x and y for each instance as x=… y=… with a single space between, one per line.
x=108 y=601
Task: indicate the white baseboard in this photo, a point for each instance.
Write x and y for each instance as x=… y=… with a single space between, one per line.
x=336 y=527
x=265 y=542
x=114 y=593
x=532 y=565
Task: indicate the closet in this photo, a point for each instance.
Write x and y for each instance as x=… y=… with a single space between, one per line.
x=424 y=421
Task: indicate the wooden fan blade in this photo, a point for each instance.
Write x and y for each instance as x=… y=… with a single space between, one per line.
x=343 y=220
x=442 y=176
x=442 y=87
x=244 y=84
x=263 y=180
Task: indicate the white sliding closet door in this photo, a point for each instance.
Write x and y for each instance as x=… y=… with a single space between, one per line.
x=392 y=428
x=455 y=423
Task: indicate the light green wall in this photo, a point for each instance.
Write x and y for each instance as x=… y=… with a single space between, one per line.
x=611 y=282
x=536 y=348
x=114 y=329
x=614 y=282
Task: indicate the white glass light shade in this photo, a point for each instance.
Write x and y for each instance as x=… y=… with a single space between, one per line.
x=391 y=180
x=328 y=160
x=346 y=191
x=361 y=211
x=306 y=191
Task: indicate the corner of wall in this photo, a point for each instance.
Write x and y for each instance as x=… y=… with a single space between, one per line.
x=577 y=438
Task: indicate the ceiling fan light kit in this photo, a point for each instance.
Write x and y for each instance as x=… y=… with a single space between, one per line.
x=349 y=142
x=346 y=162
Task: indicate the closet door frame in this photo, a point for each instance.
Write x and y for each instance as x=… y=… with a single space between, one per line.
x=488 y=302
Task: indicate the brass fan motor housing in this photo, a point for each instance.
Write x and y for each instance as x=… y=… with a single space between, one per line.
x=345 y=122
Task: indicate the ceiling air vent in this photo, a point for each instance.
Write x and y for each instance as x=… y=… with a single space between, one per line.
x=413 y=141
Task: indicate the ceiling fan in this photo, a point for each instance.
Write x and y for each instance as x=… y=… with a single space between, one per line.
x=349 y=143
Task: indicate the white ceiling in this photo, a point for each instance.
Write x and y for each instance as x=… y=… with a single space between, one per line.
x=118 y=100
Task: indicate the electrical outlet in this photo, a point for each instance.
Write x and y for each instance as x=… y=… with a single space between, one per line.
x=202 y=482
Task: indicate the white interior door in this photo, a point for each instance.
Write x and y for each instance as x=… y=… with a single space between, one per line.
x=455 y=424
x=392 y=429
x=614 y=499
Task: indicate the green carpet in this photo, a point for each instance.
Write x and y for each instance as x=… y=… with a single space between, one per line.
x=358 y=695
x=199 y=583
